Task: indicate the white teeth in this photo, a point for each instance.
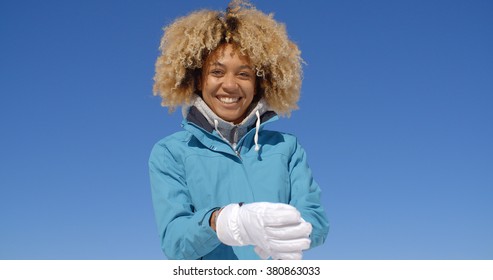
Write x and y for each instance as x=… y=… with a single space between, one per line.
x=229 y=100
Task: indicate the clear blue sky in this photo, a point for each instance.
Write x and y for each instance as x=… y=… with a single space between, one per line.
x=395 y=114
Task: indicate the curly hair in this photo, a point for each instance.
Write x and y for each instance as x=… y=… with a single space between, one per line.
x=188 y=41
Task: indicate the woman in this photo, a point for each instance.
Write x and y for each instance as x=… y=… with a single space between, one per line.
x=225 y=187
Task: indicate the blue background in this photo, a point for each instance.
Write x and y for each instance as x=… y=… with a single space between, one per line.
x=395 y=114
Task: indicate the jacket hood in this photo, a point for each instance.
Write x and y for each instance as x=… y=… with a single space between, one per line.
x=201 y=115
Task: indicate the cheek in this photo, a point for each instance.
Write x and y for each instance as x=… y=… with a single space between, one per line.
x=206 y=87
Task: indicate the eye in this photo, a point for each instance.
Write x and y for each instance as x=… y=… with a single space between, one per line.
x=216 y=72
x=244 y=75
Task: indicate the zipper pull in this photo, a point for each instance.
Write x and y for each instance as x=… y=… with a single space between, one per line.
x=238 y=152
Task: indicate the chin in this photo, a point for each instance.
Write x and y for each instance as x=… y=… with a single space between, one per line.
x=230 y=118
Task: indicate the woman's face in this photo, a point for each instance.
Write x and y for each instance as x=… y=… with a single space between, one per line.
x=228 y=83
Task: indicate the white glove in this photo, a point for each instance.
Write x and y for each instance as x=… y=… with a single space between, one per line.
x=275 y=229
x=287 y=243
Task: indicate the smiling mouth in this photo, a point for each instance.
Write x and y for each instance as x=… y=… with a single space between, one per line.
x=229 y=100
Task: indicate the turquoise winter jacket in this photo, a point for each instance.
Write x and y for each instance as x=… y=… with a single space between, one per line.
x=194 y=172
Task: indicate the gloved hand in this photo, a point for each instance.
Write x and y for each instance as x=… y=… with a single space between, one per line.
x=287 y=243
x=275 y=229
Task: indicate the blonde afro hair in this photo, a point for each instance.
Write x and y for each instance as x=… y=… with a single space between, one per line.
x=189 y=40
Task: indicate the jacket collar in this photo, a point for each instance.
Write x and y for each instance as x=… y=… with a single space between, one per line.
x=196 y=121
x=201 y=115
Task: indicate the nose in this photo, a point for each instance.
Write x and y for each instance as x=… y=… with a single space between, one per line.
x=229 y=83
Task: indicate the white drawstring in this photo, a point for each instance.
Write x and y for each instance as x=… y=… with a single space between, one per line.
x=255 y=138
x=216 y=123
x=257 y=128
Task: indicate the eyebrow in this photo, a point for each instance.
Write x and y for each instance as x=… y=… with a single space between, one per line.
x=243 y=66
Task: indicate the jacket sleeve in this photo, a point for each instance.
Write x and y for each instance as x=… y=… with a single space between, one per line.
x=305 y=196
x=185 y=233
